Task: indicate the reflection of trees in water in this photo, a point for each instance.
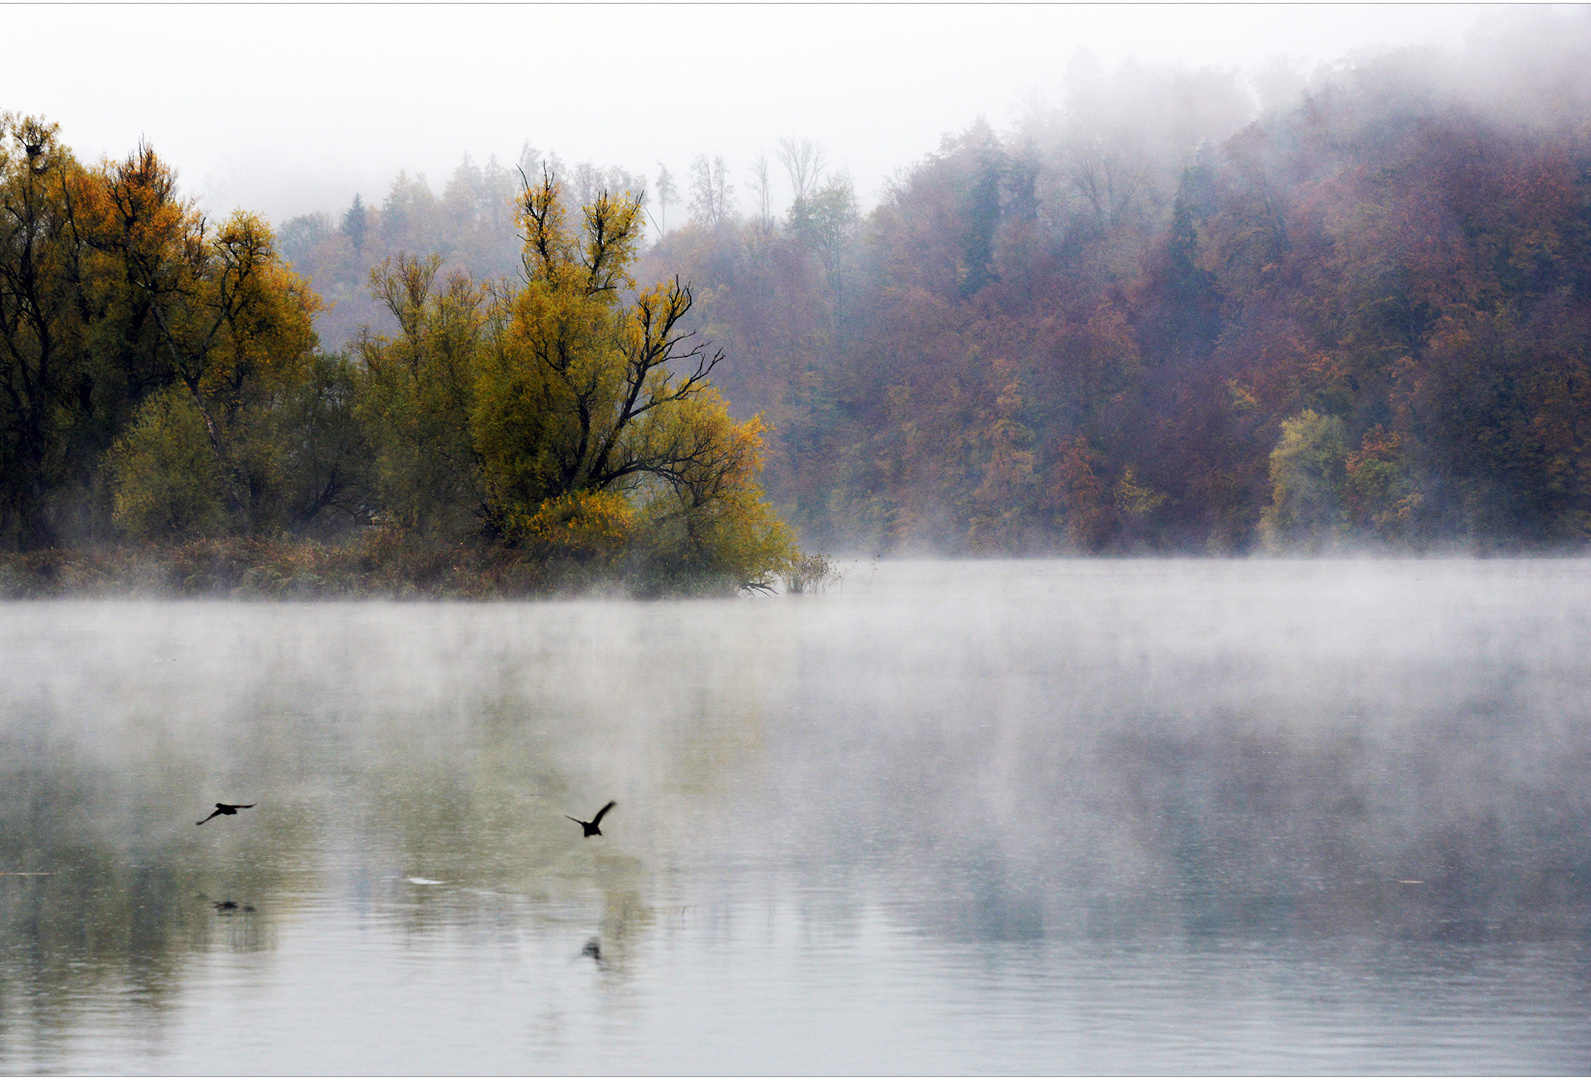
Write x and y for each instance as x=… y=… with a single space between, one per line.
x=1416 y=766
x=627 y=917
x=441 y=743
x=1449 y=829
x=981 y=807
x=123 y=898
x=468 y=785
x=1343 y=834
x=484 y=816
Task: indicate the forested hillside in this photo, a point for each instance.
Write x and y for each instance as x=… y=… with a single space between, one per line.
x=1166 y=317
x=1185 y=312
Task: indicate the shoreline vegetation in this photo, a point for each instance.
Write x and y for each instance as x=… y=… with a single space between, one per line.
x=170 y=424
x=375 y=565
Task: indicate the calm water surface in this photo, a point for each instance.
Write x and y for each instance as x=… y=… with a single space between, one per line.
x=1101 y=816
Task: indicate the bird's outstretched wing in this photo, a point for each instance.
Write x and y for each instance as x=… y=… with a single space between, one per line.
x=244 y=806
x=598 y=819
x=213 y=813
x=576 y=820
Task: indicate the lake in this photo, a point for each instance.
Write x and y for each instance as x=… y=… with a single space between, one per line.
x=946 y=817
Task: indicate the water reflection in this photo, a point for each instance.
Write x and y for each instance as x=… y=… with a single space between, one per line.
x=1028 y=817
x=98 y=900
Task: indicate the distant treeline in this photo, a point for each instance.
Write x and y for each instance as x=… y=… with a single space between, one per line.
x=1365 y=319
x=1168 y=316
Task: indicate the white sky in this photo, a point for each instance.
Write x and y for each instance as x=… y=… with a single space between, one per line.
x=289 y=109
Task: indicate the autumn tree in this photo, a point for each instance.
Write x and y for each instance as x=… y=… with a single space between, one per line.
x=44 y=369
x=826 y=221
x=762 y=193
x=112 y=289
x=355 y=223
x=591 y=391
x=569 y=414
x=711 y=202
x=230 y=321
x=417 y=398
x=1308 y=477
x=165 y=483
x=667 y=194
x=804 y=162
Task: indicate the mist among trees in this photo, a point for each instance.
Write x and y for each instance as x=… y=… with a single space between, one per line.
x=1186 y=311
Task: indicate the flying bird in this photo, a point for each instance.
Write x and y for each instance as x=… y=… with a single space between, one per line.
x=590 y=827
x=233 y=808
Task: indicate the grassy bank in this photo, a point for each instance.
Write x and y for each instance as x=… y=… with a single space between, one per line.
x=377 y=565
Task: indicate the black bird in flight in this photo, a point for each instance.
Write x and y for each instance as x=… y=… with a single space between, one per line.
x=233 y=808
x=590 y=827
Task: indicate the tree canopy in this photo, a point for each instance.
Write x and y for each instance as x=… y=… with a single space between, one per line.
x=114 y=291
x=1364 y=318
x=161 y=380
x=571 y=412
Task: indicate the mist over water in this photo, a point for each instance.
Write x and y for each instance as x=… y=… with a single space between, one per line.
x=1032 y=816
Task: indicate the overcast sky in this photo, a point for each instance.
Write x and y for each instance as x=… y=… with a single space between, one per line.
x=286 y=110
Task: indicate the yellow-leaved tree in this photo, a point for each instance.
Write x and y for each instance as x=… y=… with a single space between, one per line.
x=595 y=422
x=212 y=309
x=592 y=429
